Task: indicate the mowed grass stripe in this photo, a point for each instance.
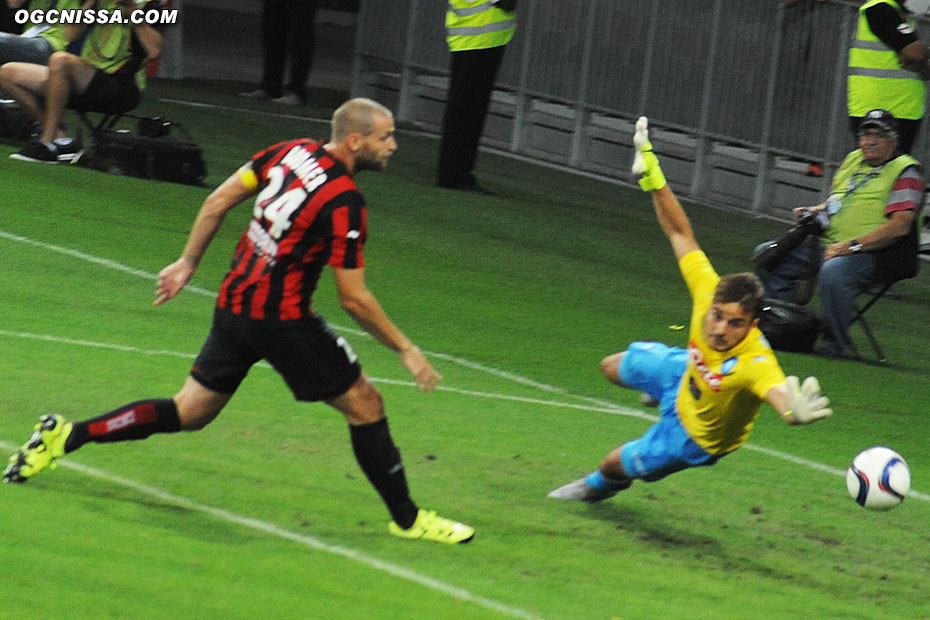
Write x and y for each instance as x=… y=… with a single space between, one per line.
x=629 y=412
x=308 y=541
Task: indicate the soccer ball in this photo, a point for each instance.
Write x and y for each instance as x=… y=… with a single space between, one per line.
x=878 y=478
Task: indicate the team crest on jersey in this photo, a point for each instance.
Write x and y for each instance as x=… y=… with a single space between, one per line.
x=728 y=365
x=711 y=378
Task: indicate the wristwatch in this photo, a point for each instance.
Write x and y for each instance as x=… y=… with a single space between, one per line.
x=855 y=246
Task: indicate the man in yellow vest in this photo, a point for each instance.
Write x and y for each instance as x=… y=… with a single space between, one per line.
x=869 y=231
x=107 y=77
x=887 y=68
x=477 y=32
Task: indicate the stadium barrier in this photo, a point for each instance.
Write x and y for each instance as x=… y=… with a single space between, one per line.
x=746 y=99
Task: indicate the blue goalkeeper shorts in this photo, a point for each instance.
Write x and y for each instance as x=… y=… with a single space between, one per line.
x=666 y=447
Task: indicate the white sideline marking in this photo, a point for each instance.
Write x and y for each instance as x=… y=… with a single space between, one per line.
x=265 y=527
x=432 y=136
x=625 y=411
x=444 y=388
x=147 y=275
x=228 y=108
x=600 y=405
x=103 y=262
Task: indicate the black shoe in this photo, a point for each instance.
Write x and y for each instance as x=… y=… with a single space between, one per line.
x=831 y=352
x=67 y=152
x=37 y=151
x=473 y=187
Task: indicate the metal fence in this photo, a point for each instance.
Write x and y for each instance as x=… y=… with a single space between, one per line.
x=742 y=95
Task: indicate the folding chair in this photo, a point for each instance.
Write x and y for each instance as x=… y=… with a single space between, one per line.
x=876 y=292
x=859 y=317
x=106 y=121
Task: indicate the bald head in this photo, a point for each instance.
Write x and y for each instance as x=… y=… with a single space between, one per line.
x=357 y=115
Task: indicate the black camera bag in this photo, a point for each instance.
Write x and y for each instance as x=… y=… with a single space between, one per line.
x=788 y=326
x=153 y=151
x=15 y=124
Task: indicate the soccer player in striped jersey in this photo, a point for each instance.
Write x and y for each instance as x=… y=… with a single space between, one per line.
x=307 y=214
x=709 y=393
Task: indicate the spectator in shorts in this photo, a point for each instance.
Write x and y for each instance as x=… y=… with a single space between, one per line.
x=107 y=77
x=39 y=40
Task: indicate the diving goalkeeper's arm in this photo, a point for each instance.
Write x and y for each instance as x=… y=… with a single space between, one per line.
x=671 y=215
x=799 y=403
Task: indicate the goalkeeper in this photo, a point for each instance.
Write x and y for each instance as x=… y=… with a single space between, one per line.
x=709 y=394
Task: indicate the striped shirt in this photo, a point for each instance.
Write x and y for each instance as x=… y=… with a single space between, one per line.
x=907 y=193
x=308 y=213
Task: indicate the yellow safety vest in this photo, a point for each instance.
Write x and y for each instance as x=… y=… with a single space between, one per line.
x=478 y=24
x=864 y=210
x=876 y=79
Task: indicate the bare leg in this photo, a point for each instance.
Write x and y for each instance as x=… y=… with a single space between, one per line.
x=610 y=366
x=67 y=74
x=26 y=84
x=198 y=405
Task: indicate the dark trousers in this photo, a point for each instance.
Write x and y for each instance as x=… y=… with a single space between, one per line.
x=470 y=86
x=907 y=132
x=287 y=32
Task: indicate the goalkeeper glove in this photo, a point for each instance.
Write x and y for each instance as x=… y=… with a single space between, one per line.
x=805 y=401
x=645 y=162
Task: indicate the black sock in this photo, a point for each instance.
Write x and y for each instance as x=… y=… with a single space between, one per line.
x=136 y=420
x=380 y=459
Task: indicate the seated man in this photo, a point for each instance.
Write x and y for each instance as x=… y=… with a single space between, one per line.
x=870 y=231
x=108 y=77
x=39 y=40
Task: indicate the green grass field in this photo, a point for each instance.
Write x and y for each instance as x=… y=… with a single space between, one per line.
x=517 y=297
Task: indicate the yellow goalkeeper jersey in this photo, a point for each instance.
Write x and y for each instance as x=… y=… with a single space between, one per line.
x=721 y=391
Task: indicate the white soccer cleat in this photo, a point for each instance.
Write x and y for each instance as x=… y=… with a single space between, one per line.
x=581 y=491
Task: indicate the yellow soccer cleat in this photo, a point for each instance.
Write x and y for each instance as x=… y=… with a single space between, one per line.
x=645 y=162
x=45 y=445
x=429 y=526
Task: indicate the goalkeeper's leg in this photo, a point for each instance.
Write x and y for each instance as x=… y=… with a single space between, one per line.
x=645 y=162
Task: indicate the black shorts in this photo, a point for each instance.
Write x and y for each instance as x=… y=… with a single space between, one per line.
x=108 y=93
x=315 y=363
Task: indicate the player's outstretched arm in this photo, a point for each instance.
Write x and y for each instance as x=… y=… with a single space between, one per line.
x=173 y=278
x=671 y=215
x=363 y=307
x=799 y=403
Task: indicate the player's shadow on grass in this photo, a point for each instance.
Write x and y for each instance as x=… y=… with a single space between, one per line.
x=651 y=529
x=122 y=504
x=648 y=527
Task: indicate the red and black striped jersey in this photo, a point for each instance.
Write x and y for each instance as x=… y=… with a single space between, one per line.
x=308 y=213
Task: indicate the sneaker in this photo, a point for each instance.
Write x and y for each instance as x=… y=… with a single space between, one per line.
x=45 y=445
x=432 y=527
x=68 y=152
x=472 y=187
x=581 y=491
x=37 y=151
x=288 y=99
x=258 y=93
x=648 y=400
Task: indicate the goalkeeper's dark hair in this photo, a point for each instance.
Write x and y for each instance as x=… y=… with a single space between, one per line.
x=743 y=288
